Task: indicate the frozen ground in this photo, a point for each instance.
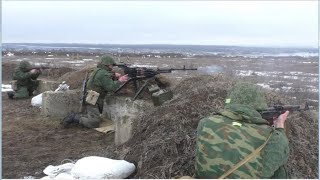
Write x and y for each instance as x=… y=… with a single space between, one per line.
x=32 y=142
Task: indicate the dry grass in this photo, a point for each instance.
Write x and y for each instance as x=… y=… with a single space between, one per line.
x=163 y=142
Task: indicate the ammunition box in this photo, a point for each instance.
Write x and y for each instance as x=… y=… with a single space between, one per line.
x=161 y=96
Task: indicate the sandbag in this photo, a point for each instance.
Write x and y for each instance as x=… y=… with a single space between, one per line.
x=37 y=100
x=53 y=171
x=94 y=167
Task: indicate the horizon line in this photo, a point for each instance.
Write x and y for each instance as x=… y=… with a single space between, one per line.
x=168 y=44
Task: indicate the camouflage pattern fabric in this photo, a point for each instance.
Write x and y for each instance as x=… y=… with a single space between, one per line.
x=247 y=94
x=226 y=139
x=26 y=82
x=92 y=119
x=107 y=60
x=100 y=80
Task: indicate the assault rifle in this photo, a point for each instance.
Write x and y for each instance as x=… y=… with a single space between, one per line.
x=275 y=111
x=142 y=73
x=84 y=93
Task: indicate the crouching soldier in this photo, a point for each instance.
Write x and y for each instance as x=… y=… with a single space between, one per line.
x=239 y=143
x=26 y=81
x=100 y=82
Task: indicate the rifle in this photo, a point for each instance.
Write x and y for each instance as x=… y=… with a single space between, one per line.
x=275 y=111
x=143 y=73
x=42 y=67
x=84 y=93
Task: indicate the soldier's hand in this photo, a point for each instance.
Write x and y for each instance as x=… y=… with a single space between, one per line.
x=280 y=121
x=35 y=71
x=123 y=78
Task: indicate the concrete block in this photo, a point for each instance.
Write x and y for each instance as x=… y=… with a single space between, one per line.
x=123 y=112
x=60 y=104
x=161 y=96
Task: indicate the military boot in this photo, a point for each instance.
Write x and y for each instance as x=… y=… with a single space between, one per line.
x=72 y=118
x=10 y=94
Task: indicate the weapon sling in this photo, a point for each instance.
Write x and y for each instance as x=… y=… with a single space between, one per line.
x=246 y=159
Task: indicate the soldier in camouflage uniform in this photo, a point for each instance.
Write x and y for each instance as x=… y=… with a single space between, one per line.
x=238 y=143
x=101 y=81
x=27 y=82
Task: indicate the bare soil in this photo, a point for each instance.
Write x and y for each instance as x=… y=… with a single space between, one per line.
x=31 y=142
x=164 y=139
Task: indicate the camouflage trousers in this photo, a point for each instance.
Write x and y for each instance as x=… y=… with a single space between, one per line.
x=92 y=118
x=27 y=90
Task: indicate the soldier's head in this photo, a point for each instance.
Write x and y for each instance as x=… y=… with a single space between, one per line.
x=24 y=66
x=107 y=60
x=247 y=94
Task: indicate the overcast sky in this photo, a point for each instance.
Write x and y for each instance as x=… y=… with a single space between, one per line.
x=248 y=23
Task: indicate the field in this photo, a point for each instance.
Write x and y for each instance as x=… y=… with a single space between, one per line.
x=31 y=142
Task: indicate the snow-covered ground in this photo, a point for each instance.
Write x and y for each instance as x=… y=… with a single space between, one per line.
x=6 y=88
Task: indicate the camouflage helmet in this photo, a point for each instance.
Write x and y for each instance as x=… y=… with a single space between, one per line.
x=107 y=60
x=24 y=66
x=247 y=94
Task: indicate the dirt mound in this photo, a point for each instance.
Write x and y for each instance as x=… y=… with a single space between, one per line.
x=75 y=79
x=163 y=142
x=56 y=73
x=302 y=131
x=164 y=139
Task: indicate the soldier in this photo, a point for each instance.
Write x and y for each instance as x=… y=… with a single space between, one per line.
x=238 y=143
x=26 y=81
x=100 y=81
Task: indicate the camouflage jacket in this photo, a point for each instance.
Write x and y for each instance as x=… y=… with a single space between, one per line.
x=24 y=78
x=100 y=80
x=224 y=140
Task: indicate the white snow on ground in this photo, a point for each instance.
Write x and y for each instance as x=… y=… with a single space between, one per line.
x=289 y=88
x=6 y=88
x=40 y=64
x=144 y=65
x=291 y=75
x=74 y=62
x=266 y=86
x=87 y=59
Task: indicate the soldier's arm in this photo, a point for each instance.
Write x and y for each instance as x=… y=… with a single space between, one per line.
x=108 y=84
x=19 y=75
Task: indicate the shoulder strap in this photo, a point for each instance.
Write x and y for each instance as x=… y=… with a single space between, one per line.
x=246 y=159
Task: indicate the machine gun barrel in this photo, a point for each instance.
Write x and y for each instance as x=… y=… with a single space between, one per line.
x=175 y=69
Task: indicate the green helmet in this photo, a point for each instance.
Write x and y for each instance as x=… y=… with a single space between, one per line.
x=107 y=60
x=24 y=66
x=247 y=94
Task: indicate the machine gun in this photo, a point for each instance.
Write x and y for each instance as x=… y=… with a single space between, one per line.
x=142 y=73
x=275 y=111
